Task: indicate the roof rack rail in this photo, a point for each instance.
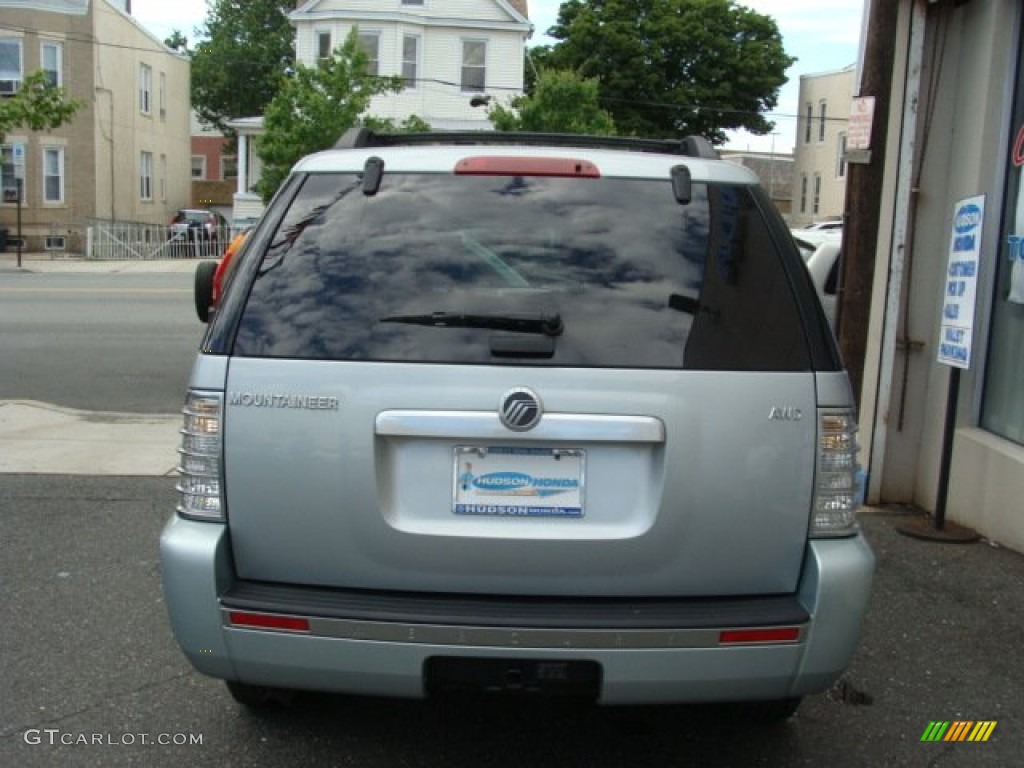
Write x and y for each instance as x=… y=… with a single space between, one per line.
x=690 y=146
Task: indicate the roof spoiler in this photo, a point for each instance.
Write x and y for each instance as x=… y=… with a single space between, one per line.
x=690 y=146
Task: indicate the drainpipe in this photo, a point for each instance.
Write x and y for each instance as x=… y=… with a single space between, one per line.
x=898 y=247
x=110 y=141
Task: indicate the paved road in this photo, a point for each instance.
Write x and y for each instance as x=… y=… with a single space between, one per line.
x=87 y=653
x=114 y=340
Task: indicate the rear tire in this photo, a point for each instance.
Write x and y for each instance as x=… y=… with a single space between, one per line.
x=772 y=711
x=260 y=698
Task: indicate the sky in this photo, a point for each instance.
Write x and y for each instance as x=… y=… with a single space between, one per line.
x=823 y=36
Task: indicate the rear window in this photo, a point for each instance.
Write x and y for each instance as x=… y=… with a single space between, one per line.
x=559 y=271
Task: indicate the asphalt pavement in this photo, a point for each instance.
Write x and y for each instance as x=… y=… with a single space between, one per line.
x=91 y=675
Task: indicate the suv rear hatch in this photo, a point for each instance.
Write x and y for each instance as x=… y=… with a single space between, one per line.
x=397 y=343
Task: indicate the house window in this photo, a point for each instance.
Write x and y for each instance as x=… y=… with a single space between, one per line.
x=53 y=174
x=146 y=176
x=817 y=194
x=10 y=65
x=803 y=193
x=412 y=2
x=145 y=89
x=474 y=65
x=9 y=184
x=370 y=43
x=228 y=167
x=410 y=60
x=324 y=49
x=198 y=167
x=163 y=178
x=1002 y=405
x=808 y=122
x=841 y=161
x=163 y=96
x=821 y=121
x=51 y=57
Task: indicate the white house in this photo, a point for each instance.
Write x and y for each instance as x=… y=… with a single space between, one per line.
x=447 y=51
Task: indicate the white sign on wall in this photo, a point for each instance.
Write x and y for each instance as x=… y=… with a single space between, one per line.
x=18 y=155
x=862 y=116
x=956 y=329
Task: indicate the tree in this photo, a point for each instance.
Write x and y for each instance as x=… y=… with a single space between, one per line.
x=236 y=69
x=314 y=107
x=38 y=105
x=177 y=41
x=673 y=67
x=560 y=102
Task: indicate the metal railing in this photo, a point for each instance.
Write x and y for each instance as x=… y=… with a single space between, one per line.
x=133 y=241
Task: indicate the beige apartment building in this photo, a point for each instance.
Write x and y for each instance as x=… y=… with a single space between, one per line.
x=819 y=167
x=125 y=155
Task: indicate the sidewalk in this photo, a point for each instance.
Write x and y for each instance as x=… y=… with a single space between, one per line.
x=49 y=263
x=39 y=438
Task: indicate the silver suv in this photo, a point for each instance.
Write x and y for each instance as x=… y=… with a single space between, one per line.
x=527 y=414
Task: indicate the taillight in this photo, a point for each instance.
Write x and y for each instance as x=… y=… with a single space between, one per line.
x=835 y=493
x=199 y=485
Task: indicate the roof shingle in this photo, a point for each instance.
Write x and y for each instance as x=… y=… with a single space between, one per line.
x=521 y=6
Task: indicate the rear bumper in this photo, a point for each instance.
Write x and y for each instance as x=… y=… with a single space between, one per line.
x=645 y=655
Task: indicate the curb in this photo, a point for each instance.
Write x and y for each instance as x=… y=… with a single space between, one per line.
x=40 y=264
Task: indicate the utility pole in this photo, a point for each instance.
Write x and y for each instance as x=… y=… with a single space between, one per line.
x=864 y=194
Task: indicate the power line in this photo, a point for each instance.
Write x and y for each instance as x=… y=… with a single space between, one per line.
x=511 y=89
x=89 y=40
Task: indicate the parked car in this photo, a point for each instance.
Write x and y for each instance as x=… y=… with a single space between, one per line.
x=192 y=224
x=212 y=277
x=817 y=236
x=519 y=414
x=829 y=225
x=823 y=264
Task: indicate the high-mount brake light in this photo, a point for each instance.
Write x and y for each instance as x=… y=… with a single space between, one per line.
x=502 y=165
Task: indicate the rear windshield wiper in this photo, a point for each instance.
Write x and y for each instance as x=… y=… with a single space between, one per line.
x=548 y=325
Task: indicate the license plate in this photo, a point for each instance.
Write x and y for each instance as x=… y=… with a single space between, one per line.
x=519 y=482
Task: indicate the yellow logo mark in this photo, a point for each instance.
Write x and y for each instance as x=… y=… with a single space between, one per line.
x=960 y=730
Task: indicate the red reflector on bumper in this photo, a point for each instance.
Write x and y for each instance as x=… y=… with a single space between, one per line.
x=265 y=621
x=772 y=635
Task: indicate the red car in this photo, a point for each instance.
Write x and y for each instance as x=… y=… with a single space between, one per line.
x=213 y=276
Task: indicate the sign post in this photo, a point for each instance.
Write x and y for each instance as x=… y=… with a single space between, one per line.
x=956 y=339
x=19 y=183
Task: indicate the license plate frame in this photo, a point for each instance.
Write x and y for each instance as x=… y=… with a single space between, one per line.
x=549 y=678
x=518 y=482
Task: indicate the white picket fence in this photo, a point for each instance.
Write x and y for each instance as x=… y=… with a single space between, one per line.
x=131 y=241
